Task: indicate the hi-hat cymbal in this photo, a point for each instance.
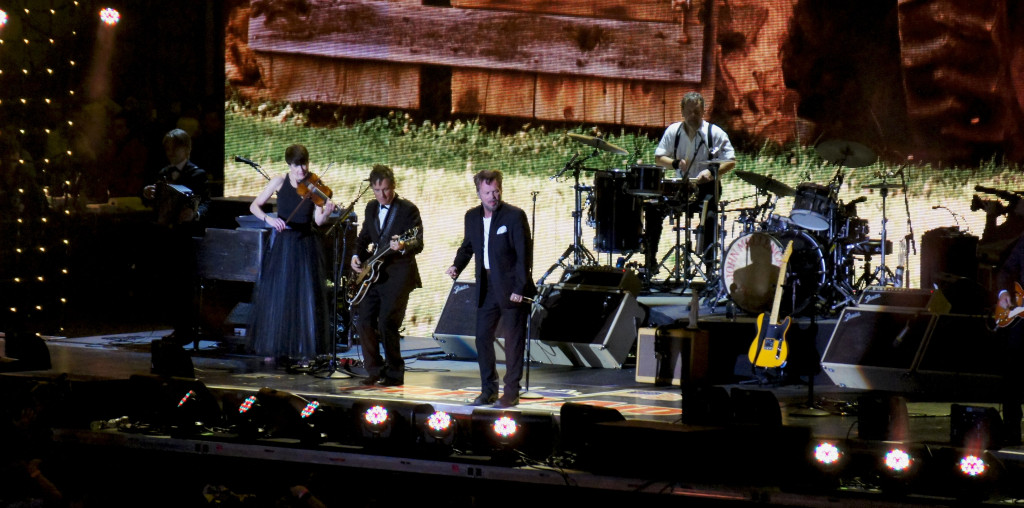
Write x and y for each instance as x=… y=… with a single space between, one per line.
x=597 y=143
x=846 y=153
x=767 y=183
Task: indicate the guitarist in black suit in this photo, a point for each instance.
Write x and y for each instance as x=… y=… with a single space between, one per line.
x=497 y=235
x=1012 y=389
x=378 y=317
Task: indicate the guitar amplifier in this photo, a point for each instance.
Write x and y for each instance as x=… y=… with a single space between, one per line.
x=455 y=332
x=666 y=355
x=601 y=277
x=886 y=297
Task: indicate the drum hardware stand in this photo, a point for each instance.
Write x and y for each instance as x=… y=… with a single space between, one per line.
x=882 y=274
x=909 y=239
x=711 y=294
x=580 y=255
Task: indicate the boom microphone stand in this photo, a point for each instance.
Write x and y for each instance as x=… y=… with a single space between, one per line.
x=333 y=371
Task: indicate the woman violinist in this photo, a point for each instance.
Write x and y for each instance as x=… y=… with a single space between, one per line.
x=290 y=321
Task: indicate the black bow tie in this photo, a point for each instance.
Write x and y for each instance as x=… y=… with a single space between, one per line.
x=383 y=207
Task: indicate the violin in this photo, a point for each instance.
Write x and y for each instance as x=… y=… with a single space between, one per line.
x=313 y=188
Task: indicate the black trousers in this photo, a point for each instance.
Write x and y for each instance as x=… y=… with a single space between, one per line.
x=378 y=319
x=512 y=321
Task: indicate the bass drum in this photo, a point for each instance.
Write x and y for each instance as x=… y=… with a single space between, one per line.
x=750 y=271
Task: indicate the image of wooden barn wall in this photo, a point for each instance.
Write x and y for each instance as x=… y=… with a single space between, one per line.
x=595 y=61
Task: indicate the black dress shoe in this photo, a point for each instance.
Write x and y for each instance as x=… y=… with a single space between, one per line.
x=390 y=381
x=506 y=401
x=483 y=400
x=369 y=380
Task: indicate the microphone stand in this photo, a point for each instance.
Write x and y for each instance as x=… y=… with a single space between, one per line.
x=333 y=371
x=527 y=394
x=534 y=306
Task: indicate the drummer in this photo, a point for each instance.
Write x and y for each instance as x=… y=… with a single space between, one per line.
x=684 y=151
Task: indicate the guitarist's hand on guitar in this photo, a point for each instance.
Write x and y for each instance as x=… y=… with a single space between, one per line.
x=1004 y=300
x=356 y=264
x=396 y=244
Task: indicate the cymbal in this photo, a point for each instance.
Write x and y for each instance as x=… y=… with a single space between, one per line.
x=846 y=153
x=597 y=143
x=767 y=183
x=883 y=186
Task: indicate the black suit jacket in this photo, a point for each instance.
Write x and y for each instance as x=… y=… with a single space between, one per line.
x=511 y=252
x=193 y=177
x=398 y=268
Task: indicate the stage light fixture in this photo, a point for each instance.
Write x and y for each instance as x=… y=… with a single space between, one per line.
x=898 y=461
x=109 y=16
x=827 y=454
x=436 y=430
x=507 y=434
x=972 y=466
x=174 y=405
x=377 y=423
x=274 y=413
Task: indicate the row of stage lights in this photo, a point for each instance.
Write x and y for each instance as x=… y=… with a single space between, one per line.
x=108 y=16
x=187 y=408
x=965 y=469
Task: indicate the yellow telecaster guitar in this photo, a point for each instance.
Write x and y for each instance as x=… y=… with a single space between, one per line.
x=1005 y=317
x=769 y=348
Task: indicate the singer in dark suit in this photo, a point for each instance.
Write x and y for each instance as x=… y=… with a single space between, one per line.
x=497 y=236
x=379 y=315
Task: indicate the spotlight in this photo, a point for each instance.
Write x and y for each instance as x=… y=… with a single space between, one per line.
x=827 y=454
x=376 y=422
x=109 y=16
x=509 y=434
x=437 y=430
x=972 y=466
x=898 y=461
x=174 y=405
x=278 y=414
x=3 y=18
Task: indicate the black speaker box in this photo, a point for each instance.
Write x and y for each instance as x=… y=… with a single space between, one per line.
x=607 y=277
x=456 y=327
x=592 y=327
x=902 y=350
x=671 y=355
x=948 y=251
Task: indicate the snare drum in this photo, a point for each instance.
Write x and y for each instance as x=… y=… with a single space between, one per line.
x=813 y=207
x=645 y=180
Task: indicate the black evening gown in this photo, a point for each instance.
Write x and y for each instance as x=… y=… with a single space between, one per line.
x=290 y=312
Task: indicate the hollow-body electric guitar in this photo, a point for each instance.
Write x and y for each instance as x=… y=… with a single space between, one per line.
x=769 y=348
x=1006 y=317
x=372 y=268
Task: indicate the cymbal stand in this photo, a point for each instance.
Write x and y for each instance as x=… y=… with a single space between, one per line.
x=714 y=289
x=902 y=279
x=882 y=275
x=680 y=251
x=581 y=256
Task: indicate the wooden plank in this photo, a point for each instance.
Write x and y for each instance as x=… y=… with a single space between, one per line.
x=644 y=104
x=636 y=10
x=301 y=78
x=560 y=98
x=492 y=93
x=603 y=99
x=546 y=44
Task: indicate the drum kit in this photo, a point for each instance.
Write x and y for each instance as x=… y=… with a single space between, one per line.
x=827 y=234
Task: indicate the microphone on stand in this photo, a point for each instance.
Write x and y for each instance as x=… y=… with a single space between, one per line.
x=567 y=166
x=247 y=161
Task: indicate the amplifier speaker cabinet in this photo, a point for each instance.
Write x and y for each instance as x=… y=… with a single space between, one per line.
x=456 y=327
x=667 y=355
x=902 y=350
x=585 y=326
x=601 y=277
x=885 y=297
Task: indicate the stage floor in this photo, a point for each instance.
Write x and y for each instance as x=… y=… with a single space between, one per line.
x=824 y=410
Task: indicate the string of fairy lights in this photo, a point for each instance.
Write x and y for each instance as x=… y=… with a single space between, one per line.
x=42 y=44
